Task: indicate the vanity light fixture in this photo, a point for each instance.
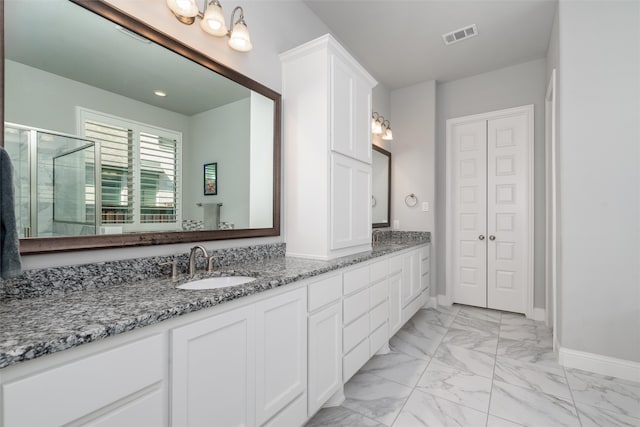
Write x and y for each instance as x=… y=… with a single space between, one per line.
x=387 y=134
x=376 y=123
x=212 y=21
x=381 y=126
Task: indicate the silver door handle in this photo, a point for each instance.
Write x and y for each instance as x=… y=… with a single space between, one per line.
x=481 y=237
x=492 y=237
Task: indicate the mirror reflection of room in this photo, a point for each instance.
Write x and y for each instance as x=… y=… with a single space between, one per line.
x=117 y=144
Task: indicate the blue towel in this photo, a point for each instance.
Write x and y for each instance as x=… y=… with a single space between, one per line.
x=10 y=265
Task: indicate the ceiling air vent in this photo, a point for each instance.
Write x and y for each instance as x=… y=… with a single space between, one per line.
x=461 y=34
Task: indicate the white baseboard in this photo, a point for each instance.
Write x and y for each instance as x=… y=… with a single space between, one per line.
x=539 y=314
x=604 y=365
x=432 y=302
x=445 y=300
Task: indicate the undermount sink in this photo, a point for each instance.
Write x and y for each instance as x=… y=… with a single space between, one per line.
x=216 y=282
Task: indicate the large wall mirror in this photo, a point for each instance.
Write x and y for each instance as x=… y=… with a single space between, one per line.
x=381 y=188
x=121 y=135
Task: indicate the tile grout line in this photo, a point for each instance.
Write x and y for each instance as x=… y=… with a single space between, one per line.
x=493 y=376
x=573 y=399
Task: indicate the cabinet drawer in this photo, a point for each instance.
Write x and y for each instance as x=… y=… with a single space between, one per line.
x=354 y=333
x=424 y=266
x=395 y=264
x=354 y=360
x=379 y=270
x=85 y=385
x=355 y=306
x=325 y=291
x=424 y=252
x=378 y=338
x=378 y=293
x=378 y=316
x=356 y=279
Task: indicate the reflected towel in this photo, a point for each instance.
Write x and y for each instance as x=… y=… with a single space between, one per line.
x=10 y=265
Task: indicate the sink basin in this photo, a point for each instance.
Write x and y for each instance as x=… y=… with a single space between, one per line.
x=216 y=282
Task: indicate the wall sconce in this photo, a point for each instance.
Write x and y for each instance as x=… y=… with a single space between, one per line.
x=212 y=21
x=381 y=126
x=387 y=134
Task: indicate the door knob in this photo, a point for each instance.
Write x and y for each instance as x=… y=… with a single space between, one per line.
x=481 y=237
x=492 y=237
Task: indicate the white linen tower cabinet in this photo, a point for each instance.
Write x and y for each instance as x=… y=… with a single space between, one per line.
x=327 y=150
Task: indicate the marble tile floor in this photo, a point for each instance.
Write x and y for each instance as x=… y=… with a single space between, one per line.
x=467 y=366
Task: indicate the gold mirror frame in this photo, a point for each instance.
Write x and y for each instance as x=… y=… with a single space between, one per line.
x=71 y=243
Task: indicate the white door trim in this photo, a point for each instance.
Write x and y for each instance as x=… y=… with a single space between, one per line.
x=528 y=110
x=551 y=254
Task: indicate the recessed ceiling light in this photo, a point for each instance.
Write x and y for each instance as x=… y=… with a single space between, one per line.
x=160 y=93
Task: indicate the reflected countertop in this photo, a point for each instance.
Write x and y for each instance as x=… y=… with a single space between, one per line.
x=35 y=327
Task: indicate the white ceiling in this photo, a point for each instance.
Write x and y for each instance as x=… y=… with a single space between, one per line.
x=400 y=42
x=65 y=39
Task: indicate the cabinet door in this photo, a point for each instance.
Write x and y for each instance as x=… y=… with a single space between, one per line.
x=350 y=112
x=325 y=356
x=350 y=202
x=281 y=352
x=213 y=371
x=395 y=302
x=411 y=277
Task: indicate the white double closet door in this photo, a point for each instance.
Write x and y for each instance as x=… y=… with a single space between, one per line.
x=489 y=209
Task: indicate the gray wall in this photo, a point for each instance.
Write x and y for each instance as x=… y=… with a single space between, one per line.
x=553 y=62
x=508 y=87
x=220 y=135
x=599 y=165
x=413 y=145
x=413 y=153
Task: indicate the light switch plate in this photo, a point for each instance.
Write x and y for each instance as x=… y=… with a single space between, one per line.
x=425 y=206
x=396 y=224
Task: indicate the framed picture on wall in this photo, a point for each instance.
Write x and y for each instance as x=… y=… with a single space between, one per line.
x=211 y=179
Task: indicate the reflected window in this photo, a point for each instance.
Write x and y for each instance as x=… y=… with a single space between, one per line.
x=139 y=171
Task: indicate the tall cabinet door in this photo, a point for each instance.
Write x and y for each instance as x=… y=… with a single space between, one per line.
x=507 y=212
x=281 y=353
x=350 y=202
x=214 y=371
x=469 y=216
x=350 y=112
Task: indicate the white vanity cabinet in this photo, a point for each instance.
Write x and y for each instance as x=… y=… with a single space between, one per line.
x=327 y=144
x=365 y=310
x=281 y=358
x=325 y=340
x=415 y=281
x=395 y=294
x=213 y=370
x=242 y=367
x=97 y=386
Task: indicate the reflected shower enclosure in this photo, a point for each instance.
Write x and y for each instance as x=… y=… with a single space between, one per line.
x=55 y=177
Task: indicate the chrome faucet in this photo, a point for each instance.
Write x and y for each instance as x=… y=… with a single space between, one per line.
x=192 y=258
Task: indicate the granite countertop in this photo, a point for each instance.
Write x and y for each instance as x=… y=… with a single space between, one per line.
x=43 y=325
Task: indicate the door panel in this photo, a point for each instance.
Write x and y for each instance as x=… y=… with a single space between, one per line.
x=507 y=212
x=469 y=216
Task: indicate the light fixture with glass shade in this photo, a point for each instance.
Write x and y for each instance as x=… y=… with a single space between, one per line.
x=387 y=134
x=376 y=124
x=185 y=11
x=239 y=38
x=212 y=21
